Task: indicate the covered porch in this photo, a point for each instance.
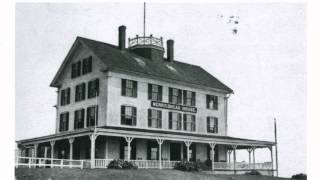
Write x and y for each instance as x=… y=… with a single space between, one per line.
x=96 y=147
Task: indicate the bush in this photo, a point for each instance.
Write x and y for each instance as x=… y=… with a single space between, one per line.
x=253 y=172
x=299 y=176
x=206 y=165
x=187 y=166
x=121 y=164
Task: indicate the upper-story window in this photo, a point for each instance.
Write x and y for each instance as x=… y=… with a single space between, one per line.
x=92 y=116
x=93 y=88
x=80 y=92
x=129 y=88
x=79 y=119
x=65 y=97
x=87 y=65
x=76 y=69
x=175 y=96
x=128 y=115
x=212 y=102
x=175 y=120
x=64 y=121
x=189 y=98
x=189 y=122
x=155 y=92
x=154 y=118
x=212 y=125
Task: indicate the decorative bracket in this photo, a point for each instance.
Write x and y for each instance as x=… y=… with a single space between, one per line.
x=71 y=140
x=234 y=147
x=212 y=145
x=187 y=143
x=52 y=143
x=93 y=136
x=128 y=139
x=160 y=140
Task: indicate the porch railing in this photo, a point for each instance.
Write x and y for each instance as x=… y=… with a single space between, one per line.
x=243 y=166
x=48 y=162
x=102 y=163
x=154 y=164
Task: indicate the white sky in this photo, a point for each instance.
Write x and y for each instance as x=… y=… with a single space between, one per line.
x=264 y=63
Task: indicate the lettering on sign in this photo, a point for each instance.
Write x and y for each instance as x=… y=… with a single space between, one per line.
x=173 y=107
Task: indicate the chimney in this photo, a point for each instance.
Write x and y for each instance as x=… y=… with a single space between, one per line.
x=122 y=37
x=170 y=50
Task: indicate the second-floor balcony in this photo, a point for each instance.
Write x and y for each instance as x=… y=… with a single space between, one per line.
x=145 y=41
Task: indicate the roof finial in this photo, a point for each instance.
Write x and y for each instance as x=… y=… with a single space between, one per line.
x=144 y=19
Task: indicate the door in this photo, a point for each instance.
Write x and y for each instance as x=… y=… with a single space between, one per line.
x=175 y=151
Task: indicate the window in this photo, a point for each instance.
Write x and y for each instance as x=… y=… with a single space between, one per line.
x=79 y=119
x=76 y=69
x=212 y=102
x=129 y=88
x=174 y=121
x=93 y=88
x=128 y=115
x=189 y=98
x=87 y=65
x=154 y=92
x=65 y=97
x=189 y=122
x=154 y=118
x=64 y=122
x=80 y=92
x=92 y=116
x=212 y=125
x=154 y=153
x=175 y=96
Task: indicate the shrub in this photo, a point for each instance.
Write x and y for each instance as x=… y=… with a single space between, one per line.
x=253 y=172
x=299 y=176
x=205 y=165
x=187 y=166
x=121 y=164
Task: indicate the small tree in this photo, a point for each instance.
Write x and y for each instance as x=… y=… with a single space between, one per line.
x=299 y=176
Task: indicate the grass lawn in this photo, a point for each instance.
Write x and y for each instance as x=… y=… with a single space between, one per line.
x=111 y=174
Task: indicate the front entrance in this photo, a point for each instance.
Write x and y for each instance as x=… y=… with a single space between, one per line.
x=175 y=151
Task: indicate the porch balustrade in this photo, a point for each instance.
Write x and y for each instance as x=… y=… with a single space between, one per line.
x=154 y=164
x=242 y=166
x=48 y=162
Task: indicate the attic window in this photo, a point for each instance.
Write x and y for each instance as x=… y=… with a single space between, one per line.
x=139 y=61
x=171 y=68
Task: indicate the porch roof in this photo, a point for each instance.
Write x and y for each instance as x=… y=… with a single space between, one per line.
x=151 y=134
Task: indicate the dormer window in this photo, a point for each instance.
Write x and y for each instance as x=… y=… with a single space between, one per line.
x=212 y=102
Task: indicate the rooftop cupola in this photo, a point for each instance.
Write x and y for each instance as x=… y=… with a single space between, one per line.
x=147 y=46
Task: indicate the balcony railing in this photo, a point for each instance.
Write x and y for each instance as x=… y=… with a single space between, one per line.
x=146 y=40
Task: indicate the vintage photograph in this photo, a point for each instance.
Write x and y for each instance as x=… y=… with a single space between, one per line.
x=213 y=91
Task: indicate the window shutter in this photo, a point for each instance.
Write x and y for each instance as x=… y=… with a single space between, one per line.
x=73 y=69
x=123 y=87
x=61 y=97
x=160 y=119
x=216 y=125
x=76 y=120
x=179 y=121
x=89 y=64
x=193 y=101
x=170 y=95
x=149 y=118
x=67 y=121
x=122 y=144
x=160 y=93
x=216 y=103
x=83 y=91
x=97 y=87
x=149 y=91
x=88 y=116
x=135 y=89
x=208 y=124
x=184 y=97
x=68 y=98
x=170 y=120
x=184 y=122
x=148 y=151
x=122 y=116
x=97 y=114
x=208 y=101
x=193 y=123
x=134 y=111
x=82 y=118
x=179 y=96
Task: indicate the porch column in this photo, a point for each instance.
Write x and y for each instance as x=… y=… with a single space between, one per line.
x=229 y=155
x=188 y=143
x=52 y=151
x=234 y=147
x=45 y=152
x=254 y=157
x=129 y=139
x=271 y=153
x=71 y=140
x=212 y=145
x=160 y=141
x=35 y=150
x=249 y=151
x=93 y=138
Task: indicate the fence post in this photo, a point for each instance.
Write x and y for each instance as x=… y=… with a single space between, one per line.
x=61 y=163
x=29 y=162
x=81 y=164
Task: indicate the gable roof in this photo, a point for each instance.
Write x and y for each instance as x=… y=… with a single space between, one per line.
x=125 y=60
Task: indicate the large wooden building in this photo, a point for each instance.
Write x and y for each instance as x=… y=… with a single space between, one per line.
x=118 y=102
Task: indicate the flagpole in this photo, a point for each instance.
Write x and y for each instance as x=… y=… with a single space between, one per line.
x=276 y=142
